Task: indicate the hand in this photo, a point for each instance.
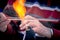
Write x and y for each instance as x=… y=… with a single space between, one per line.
x=35 y=25
x=3 y=22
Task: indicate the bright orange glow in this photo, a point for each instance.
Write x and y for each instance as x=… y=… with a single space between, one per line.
x=19 y=7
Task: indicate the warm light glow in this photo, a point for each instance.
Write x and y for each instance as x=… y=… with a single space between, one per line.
x=19 y=7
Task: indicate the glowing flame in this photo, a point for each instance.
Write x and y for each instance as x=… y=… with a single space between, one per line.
x=19 y=7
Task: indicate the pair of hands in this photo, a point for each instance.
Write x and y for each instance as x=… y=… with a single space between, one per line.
x=25 y=23
x=28 y=21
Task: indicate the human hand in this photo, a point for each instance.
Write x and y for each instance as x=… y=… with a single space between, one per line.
x=36 y=26
x=3 y=22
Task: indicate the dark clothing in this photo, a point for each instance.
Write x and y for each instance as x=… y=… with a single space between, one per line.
x=3 y=3
x=1 y=10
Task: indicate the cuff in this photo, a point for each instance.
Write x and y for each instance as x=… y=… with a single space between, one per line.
x=56 y=33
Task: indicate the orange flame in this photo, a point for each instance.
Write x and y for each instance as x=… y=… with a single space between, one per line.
x=19 y=7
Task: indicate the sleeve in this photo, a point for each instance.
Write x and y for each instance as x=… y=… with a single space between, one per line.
x=56 y=33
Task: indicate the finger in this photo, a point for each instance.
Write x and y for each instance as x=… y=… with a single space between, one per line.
x=25 y=27
x=2 y=17
x=24 y=23
x=35 y=30
x=4 y=23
